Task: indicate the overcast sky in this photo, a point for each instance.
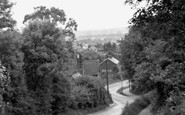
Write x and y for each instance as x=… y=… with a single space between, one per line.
x=89 y=14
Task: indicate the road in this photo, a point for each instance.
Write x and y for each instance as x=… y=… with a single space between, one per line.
x=119 y=100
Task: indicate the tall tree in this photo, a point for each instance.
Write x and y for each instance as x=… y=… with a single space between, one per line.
x=6 y=20
x=131 y=52
x=162 y=28
x=46 y=55
x=55 y=16
x=109 y=47
x=12 y=59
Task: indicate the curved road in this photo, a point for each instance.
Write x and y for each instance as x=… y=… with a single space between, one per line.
x=119 y=100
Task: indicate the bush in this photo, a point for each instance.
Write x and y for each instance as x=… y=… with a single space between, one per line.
x=88 y=93
x=137 y=106
x=80 y=97
x=117 y=76
x=74 y=112
x=142 y=78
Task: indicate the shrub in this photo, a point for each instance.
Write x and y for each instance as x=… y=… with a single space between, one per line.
x=137 y=106
x=80 y=97
x=88 y=92
x=117 y=76
x=74 y=112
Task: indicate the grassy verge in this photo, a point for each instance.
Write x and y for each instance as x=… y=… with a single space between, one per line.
x=101 y=107
x=137 y=106
x=75 y=112
x=111 y=80
x=87 y=111
x=120 y=91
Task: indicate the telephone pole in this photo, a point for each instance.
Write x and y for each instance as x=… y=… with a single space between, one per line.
x=107 y=75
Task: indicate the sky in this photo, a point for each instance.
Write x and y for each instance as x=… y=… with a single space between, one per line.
x=89 y=14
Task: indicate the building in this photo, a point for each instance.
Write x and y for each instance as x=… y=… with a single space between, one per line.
x=76 y=75
x=93 y=48
x=90 y=67
x=85 y=46
x=109 y=64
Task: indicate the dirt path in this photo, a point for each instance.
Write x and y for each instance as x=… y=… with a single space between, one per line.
x=119 y=100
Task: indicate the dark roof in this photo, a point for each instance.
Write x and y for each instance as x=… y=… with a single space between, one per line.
x=91 y=67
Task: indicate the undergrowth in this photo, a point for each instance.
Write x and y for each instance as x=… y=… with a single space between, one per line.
x=137 y=106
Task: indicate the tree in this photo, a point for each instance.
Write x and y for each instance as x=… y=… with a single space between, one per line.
x=92 y=90
x=6 y=20
x=55 y=16
x=109 y=47
x=89 y=55
x=14 y=92
x=4 y=78
x=12 y=59
x=131 y=53
x=46 y=55
x=162 y=29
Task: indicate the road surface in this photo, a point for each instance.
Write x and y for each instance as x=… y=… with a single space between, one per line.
x=119 y=100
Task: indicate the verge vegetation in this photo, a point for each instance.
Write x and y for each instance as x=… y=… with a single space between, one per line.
x=120 y=91
x=137 y=106
x=34 y=77
x=152 y=53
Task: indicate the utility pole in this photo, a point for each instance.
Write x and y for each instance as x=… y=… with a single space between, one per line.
x=107 y=75
x=121 y=80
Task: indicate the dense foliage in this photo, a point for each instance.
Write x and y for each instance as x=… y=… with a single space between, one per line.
x=137 y=106
x=89 y=55
x=153 y=52
x=88 y=92
x=34 y=68
x=109 y=47
x=6 y=21
x=45 y=59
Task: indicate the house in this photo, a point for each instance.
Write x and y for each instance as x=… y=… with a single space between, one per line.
x=85 y=46
x=76 y=75
x=77 y=47
x=93 y=48
x=109 y=64
x=90 y=67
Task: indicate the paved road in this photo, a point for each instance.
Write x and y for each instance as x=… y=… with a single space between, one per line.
x=119 y=100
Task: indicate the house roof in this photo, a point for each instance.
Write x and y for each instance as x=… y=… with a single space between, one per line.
x=112 y=59
x=91 y=67
x=93 y=47
x=76 y=75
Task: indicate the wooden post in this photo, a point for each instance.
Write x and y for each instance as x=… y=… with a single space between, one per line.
x=129 y=83
x=107 y=75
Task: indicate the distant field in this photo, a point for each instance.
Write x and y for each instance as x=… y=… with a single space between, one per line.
x=101 y=34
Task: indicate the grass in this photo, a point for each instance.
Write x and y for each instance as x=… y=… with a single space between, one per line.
x=101 y=107
x=87 y=111
x=120 y=91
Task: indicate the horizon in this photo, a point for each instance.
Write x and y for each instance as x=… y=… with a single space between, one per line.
x=89 y=15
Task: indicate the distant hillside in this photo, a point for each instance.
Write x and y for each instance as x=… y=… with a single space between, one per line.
x=106 y=34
